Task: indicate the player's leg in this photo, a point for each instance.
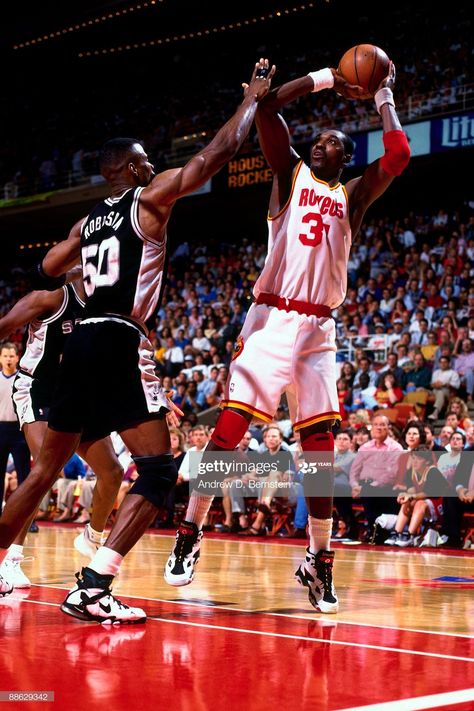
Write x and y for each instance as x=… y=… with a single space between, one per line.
x=57 y=448
x=101 y=457
x=91 y=598
x=11 y=567
x=315 y=572
x=180 y=567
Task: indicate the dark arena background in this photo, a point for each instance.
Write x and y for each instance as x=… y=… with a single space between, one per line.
x=243 y=635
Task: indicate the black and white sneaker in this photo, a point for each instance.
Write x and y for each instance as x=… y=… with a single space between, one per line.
x=180 y=566
x=6 y=586
x=315 y=573
x=91 y=600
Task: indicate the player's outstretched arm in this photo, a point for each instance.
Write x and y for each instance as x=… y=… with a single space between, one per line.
x=31 y=306
x=50 y=273
x=173 y=184
x=273 y=132
x=363 y=191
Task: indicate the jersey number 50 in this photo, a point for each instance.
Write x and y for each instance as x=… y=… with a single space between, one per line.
x=101 y=264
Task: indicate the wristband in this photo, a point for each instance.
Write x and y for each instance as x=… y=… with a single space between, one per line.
x=322 y=79
x=42 y=281
x=383 y=96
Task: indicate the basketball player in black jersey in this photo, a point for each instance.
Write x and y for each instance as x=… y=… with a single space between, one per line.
x=51 y=317
x=107 y=380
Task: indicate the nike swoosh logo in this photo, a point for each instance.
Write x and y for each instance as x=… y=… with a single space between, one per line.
x=105 y=608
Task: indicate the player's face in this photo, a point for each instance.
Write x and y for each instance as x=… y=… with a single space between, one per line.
x=328 y=155
x=144 y=167
x=8 y=358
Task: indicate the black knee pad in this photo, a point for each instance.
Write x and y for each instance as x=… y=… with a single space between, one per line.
x=156 y=477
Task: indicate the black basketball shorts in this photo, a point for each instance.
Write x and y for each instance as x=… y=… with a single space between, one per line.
x=106 y=380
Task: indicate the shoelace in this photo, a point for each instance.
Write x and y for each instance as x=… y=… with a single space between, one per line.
x=326 y=575
x=181 y=542
x=98 y=596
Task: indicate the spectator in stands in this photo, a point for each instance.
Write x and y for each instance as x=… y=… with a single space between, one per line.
x=361 y=436
x=272 y=444
x=444 y=381
x=348 y=372
x=444 y=436
x=343 y=459
x=173 y=357
x=448 y=462
x=364 y=365
x=425 y=483
x=392 y=367
x=452 y=420
x=460 y=501
x=418 y=377
x=388 y=393
x=464 y=366
x=233 y=501
x=74 y=470
x=376 y=472
x=362 y=394
x=177 y=493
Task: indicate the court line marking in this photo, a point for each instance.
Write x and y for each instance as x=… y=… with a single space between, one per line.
x=231 y=608
x=281 y=635
x=374 y=560
x=419 y=702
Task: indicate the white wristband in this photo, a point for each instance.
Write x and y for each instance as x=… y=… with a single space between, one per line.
x=383 y=96
x=322 y=79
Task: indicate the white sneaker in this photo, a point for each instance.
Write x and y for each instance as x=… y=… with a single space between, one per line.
x=392 y=540
x=405 y=540
x=315 y=573
x=5 y=587
x=180 y=566
x=85 y=545
x=11 y=570
x=91 y=600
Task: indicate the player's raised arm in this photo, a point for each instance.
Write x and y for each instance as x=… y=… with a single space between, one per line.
x=363 y=191
x=50 y=273
x=173 y=184
x=273 y=134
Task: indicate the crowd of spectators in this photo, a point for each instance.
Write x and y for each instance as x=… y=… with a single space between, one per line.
x=51 y=148
x=405 y=336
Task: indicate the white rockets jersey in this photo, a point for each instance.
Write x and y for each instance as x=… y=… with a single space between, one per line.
x=308 y=244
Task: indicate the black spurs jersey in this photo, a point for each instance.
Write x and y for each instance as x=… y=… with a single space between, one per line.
x=122 y=267
x=46 y=338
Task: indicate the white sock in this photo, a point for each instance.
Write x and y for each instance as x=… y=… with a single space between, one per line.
x=95 y=536
x=319 y=534
x=106 y=561
x=198 y=508
x=15 y=551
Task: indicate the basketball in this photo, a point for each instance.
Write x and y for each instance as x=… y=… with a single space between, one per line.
x=365 y=65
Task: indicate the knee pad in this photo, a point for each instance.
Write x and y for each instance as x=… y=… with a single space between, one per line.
x=231 y=427
x=156 y=477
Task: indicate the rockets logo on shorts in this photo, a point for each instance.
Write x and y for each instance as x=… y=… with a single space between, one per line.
x=238 y=347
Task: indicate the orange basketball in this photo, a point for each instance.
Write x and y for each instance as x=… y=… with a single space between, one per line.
x=365 y=65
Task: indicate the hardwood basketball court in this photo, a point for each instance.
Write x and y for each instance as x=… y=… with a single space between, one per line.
x=243 y=635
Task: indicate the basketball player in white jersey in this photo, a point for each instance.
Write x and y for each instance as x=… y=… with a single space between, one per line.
x=287 y=343
x=107 y=380
x=51 y=317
